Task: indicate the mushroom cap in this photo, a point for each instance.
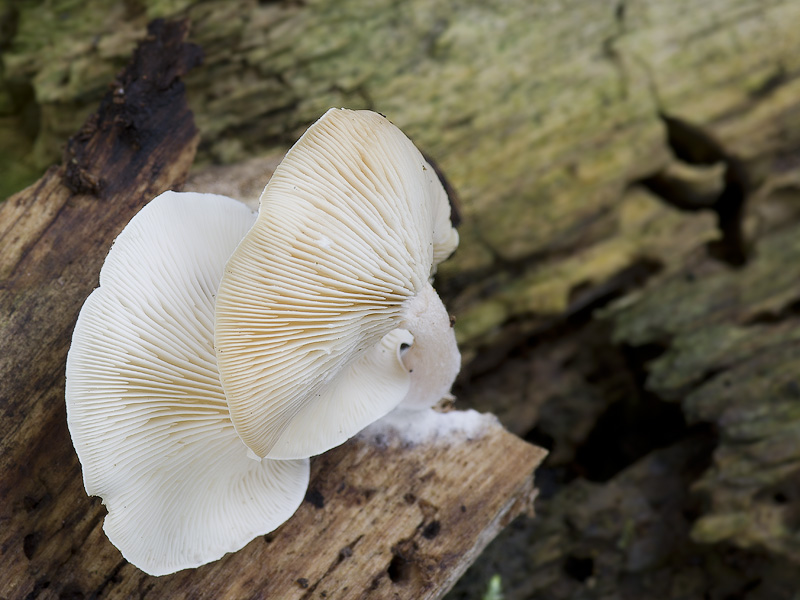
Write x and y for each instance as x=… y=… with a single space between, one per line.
x=310 y=315
x=145 y=406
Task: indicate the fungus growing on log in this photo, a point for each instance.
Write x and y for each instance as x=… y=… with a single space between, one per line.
x=218 y=338
x=326 y=319
x=145 y=407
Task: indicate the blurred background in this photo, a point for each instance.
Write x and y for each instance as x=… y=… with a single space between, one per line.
x=627 y=288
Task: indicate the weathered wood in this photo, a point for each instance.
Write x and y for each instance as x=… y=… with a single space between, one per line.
x=716 y=353
x=730 y=342
x=380 y=520
x=53 y=239
x=383 y=519
x=562 y=125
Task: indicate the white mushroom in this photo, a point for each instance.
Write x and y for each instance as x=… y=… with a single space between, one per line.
x=326 y=319
x=145 y=407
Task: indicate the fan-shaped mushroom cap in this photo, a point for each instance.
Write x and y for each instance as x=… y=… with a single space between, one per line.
x=145 y=407
x=328 y=289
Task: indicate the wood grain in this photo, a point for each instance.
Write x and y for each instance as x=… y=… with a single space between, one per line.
x=53 y=238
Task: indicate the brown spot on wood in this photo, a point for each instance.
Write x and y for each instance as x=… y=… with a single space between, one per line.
x=431 y=530
x=402 y=571
x=30 y=543
x=315 y=498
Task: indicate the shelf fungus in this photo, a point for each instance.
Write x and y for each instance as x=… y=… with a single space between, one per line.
x=224 y=348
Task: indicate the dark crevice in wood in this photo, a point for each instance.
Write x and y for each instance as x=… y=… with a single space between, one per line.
x=789 y=311
x=585 y=299
x=772 y=83
x=679 y=193
x=529 y=330
x=579 y=568
x=627 y=431
x=431 y=530
x=38 y=587
x=315 y=498
x=399 y=569
x=404 y=569
x=30 y=543
x=634 y=425
x=691 y=143
x=730 y=208
x=694 y=145
x=9 y=24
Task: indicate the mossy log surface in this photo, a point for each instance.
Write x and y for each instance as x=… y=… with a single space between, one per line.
x=541 y=114
x=381 y=519
x=626 y=285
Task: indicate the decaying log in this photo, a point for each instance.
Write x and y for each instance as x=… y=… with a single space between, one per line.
x=382 y=519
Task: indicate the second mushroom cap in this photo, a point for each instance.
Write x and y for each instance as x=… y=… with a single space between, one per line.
x=329 y=292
